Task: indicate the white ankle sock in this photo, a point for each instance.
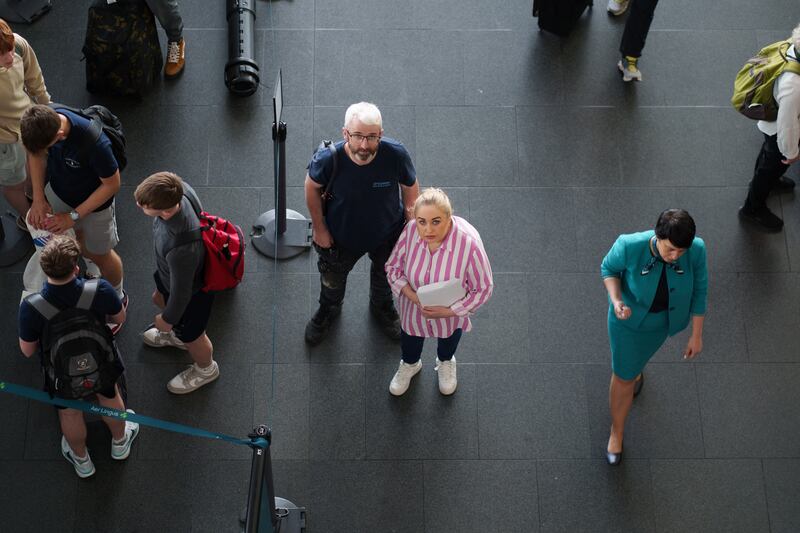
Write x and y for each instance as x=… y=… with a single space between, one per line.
x=207 y=370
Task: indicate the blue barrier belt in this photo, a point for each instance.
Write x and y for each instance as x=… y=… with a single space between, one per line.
x=41 y=396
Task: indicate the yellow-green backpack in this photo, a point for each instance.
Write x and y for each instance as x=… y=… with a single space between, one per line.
x=752 y=88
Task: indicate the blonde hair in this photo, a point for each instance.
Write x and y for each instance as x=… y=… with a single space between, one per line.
x=435 y=197
x=367 y=113
x=796 y=38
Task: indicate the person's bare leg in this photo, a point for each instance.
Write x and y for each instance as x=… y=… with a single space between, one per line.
x=116 y=425
x=620 y=398
x=74 y=429
x=15 y=196
x=110 y=266
x=201 y=350
x=158 y=299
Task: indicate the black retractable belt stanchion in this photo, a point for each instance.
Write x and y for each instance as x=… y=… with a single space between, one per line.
x=265 y=512
x=280 y=233
x=241 y=70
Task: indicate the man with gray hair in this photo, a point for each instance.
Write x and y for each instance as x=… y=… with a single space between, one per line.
x=372 y=193
x=780 y=148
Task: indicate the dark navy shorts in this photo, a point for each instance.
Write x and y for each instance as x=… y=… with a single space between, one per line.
x=194 y=320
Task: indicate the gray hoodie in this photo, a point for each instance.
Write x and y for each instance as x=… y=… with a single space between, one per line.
x=180 y=269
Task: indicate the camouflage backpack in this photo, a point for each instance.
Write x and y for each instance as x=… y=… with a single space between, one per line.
x=752 y=88
x=122 y=52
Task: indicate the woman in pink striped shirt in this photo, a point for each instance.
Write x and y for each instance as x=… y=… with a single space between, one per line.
x=435 y=247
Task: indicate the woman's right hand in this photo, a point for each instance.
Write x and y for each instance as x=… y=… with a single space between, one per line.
x=622 y=311
x=411 y=294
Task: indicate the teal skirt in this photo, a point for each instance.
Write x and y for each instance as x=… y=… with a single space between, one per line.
x=632 y=348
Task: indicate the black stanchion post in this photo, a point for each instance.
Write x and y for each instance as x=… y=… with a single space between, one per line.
x=279 y=136
x=266 y=513
x=261 y=496
x=280 y=233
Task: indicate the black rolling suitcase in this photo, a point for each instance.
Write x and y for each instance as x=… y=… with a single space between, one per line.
x=559 y=16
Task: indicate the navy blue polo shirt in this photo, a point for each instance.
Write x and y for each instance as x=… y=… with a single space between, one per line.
x=31 y=323
x=74 y=168
x=366 y=208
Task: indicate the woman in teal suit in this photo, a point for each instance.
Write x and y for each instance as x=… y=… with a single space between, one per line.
x=656 y=281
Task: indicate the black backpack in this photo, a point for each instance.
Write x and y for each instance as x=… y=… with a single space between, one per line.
x=79 y=355
x=121 y=48
x=103 y=121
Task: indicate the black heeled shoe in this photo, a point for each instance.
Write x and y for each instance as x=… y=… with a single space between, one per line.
x=613 y=458
x=637 y=387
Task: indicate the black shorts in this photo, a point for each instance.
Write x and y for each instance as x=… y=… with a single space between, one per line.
x=108 y=394
x=194 y=320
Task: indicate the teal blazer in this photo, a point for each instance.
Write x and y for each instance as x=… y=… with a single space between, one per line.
x=687 y=291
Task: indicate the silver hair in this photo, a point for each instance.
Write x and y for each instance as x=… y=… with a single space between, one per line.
x=366 y=112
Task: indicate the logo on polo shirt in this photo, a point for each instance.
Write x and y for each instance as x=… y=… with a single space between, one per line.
x=72 y=163
x=381 y=184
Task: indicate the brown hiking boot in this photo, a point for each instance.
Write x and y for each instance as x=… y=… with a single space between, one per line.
x=176 y=58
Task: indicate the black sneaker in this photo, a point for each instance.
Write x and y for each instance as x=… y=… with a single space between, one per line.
x=784 y=185
x=320 y=323
x=763 y=217
x=387 y=317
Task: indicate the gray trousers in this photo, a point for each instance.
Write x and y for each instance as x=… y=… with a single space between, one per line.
x=166 y=11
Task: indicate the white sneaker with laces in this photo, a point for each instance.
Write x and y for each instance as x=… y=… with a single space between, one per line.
x=85 y=468
x=122 y=450
x=618 y=7
x=402 y=378
x=193 y=378
x=629 y=66
x=447 y=376
x=160 y=339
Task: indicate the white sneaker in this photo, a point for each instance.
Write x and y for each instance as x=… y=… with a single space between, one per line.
x=84 y=468
x=159 y=339
x=402 y=378
x=193 y=378
x=629 y=66
x=618 y=7
x=447 y=376
x=123 y=450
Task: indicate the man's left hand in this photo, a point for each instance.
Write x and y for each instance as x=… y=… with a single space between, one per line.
x=161 y=324
x=437 y=311
x=58 y=223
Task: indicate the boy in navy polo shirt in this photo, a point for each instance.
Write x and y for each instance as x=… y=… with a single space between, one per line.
x=59 y=261
x=373 y=194
x=81 y=181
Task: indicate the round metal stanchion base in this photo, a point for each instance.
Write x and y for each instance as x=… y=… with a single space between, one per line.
x=15 y=245
x=291 y=517
x=295 y=241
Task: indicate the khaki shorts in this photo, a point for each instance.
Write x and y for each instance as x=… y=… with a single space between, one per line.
x=12 y=164
x=98 y=229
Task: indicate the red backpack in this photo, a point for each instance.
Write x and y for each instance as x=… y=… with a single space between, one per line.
x=224 y=243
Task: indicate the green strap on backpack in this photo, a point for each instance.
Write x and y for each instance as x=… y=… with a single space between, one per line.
x=752 y=88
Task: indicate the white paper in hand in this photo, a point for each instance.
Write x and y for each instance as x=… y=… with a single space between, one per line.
x=441 y=293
